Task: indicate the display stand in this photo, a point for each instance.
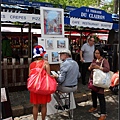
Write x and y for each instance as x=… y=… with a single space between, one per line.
x=6 y=105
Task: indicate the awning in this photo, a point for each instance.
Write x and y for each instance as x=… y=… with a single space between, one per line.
x=90 y=23
x=91 y=18
x=20 y=17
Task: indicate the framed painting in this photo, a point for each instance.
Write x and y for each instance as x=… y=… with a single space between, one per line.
x=61 y=44
x=55 y=57
x=49 y=44
x=52 y=22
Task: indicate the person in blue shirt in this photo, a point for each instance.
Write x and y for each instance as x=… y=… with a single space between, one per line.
x=69 y=74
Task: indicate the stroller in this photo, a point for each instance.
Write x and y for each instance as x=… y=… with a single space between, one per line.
x=114 y=87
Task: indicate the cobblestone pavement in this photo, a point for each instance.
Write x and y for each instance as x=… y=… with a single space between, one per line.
x=81 y=112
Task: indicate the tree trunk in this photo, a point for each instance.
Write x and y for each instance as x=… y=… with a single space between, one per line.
x=115 y=6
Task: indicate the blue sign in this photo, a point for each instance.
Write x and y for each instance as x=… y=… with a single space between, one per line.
x=91 y=13
x=35 y=4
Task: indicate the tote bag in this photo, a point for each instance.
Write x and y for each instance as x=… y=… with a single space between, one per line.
x=41 y=82
x=102 y=79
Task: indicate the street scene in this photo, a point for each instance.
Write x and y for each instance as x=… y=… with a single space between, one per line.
x=59 y=60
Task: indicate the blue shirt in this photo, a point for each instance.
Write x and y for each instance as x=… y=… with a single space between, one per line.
x=69 y=73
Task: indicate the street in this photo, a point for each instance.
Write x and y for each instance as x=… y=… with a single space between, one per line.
x=81 y=112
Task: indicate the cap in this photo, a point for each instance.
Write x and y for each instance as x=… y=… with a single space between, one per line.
x=65 y=51
x=38 y=51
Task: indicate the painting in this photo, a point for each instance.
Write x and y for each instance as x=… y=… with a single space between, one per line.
x=52 y=22
x=61 y=44
x=49 y=44
x=55 y=57
x=45 y=56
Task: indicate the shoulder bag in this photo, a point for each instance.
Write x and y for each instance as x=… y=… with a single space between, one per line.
x=102 y=79
x=41 y=82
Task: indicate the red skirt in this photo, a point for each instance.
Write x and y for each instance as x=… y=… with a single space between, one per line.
x=39 y=99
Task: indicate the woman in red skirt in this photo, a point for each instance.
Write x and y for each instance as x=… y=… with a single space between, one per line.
x=38 y=99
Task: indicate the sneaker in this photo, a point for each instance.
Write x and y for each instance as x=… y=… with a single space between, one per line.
x=92 y=110
x=103 y=117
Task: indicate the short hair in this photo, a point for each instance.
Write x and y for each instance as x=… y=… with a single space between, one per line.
x=100 y=50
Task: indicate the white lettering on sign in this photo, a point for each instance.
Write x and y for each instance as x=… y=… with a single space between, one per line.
x=83 y=14
x=96 y=16
x=96 y=11
x=90 y=23
x=21 y=17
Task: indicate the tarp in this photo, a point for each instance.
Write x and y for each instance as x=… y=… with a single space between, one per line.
x=20 y=17
x=92 y=18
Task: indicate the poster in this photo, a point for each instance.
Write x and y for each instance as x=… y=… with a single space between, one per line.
x=52 y=22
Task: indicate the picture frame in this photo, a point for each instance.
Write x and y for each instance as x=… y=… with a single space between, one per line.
x=52 y=22
x=61 y=43
x=55 y=57
x=49 y=43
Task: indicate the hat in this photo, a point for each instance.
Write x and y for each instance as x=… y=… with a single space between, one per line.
x=65 y=51
x=38 y=51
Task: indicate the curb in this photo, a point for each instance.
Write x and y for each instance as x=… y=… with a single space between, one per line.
x=27 y=108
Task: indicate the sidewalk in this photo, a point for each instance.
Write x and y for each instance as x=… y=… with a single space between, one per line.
x=21 y=106
x=81 y=111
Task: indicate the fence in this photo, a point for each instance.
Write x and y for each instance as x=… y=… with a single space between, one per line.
x=15 y=73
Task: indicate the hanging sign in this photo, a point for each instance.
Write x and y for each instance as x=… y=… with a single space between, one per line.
x=20 y=17
x=91 y=13
x=90 y=23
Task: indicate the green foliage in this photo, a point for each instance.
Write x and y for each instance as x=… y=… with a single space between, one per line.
x=108 y=7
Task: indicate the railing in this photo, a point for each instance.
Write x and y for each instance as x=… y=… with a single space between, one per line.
x=15 y=73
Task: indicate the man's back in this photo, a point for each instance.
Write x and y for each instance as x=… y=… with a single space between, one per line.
x=69 y=72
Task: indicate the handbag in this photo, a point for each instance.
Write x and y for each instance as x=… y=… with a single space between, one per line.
x=41 y=82
x=102 y=79
x=92 y=87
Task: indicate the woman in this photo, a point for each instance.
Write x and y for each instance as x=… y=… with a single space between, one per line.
x=37 y=99
x=100 y=93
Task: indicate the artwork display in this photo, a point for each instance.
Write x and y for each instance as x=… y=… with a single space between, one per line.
x=61 y=44
x=49 y=44
x=52 y=22
x=52 y=46
x=55 y=57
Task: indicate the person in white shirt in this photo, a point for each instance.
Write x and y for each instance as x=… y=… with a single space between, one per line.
x=86 y=57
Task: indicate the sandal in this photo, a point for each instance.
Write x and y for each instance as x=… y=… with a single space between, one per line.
x=92 y=110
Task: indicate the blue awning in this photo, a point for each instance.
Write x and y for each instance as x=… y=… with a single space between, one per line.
x=91 y=14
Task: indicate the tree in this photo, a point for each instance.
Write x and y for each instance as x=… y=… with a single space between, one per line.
x=107 y=6
x=115 y=7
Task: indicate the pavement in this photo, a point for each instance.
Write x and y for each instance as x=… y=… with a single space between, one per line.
x=21 y=106
x=81 y=111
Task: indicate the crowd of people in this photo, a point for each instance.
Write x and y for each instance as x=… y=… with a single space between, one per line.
x=69 y=76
